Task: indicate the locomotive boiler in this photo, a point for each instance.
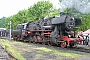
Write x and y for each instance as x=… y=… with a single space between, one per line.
x=53 y=30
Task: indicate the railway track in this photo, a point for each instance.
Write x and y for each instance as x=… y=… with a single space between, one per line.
x=2 y=53
x=6 y=55
x=82 y=49
x=79 y=49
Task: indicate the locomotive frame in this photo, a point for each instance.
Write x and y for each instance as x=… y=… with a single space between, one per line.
x=51 y=31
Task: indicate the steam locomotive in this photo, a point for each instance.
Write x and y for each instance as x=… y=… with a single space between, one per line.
x=51 y=31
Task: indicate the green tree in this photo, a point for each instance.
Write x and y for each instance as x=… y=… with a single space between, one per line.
x=60 y=0
x=35 y=12
x=18 y=18
x=2 y=22
x=54 y=12
x=85 y=22
x=40 y=9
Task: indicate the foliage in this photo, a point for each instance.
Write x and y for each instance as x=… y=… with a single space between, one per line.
x=54 y=12
x=40 y=10
x=85 y=22
x=2 y=22
x=60 y=0
x=35 y=12
x=20 y=17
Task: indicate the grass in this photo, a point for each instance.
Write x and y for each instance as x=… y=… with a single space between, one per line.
x=11 y=49
x=60 y=53
x=16 y=42
x=38 y=55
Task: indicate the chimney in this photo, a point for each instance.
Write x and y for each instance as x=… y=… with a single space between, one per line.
x=62 y=13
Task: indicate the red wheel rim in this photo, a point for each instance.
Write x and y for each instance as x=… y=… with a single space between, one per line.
x=63 y=44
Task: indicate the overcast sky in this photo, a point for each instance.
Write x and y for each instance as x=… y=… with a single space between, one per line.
x=11 y=7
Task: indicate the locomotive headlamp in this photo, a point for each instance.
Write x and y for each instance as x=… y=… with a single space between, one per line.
x=29 y=32
x=72 y=19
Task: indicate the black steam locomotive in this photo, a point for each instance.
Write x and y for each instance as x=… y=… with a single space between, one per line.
x=53 y=30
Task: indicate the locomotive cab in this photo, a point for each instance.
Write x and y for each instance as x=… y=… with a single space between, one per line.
x=22 y=27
